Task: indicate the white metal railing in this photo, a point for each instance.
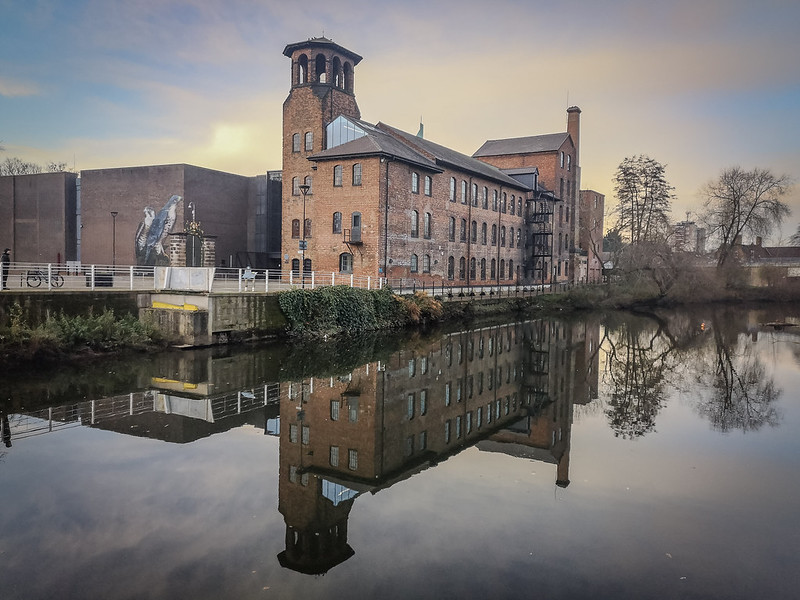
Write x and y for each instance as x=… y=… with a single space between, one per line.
x=37 y=277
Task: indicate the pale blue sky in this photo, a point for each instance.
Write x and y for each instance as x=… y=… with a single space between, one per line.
x=699 y=85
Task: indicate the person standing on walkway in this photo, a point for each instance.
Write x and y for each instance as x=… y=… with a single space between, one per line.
x=5 y=262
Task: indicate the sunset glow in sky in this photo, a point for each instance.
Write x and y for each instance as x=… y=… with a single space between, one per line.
x=698 y=85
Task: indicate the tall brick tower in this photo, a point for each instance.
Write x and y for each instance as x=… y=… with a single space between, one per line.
x=322 y=89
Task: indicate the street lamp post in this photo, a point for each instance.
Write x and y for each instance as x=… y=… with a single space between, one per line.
x=114 y=214
x=303 y=244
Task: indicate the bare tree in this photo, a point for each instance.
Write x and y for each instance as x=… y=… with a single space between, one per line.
x=740 y=203
x=16 y=166
x=644 y=198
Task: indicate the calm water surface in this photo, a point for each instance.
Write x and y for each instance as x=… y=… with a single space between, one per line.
x=614 y=456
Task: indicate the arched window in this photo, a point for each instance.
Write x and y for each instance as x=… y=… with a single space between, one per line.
x=357 y=174
x=337 y=222
x=452 y=189
x=493 y=269
x=309 y=141
x=451 y=268
x=414 y=263
x=519 y=237
x=338 y=76
x=519 y=206
x=348 y=77
x=415 y=183
x=474 y=194
x=511 y=269
x=414 y=224
x=426 y=226
x=513 y=204
x=483 y=233
x=452 y=230
x=494 y=235
x=561 y=160
x=472 y=268
x=296 y=142
x=511 y=238
x=559 y=241
x=503 y=203
x=296 y=266
x=309 y=181
x=337 y=176
x=569 y=162
x=320 y=65
x=483 y=269
x=307 y=229
x=566 y=215
x=428 y=185
x=502 y=268
x=485 y=196
x=474 y=230
x=295 y=228
x=295 y=186
x=503 y=236
x=463 y=237
x=462 y=268
x=302 y=69
x=463 y=192
x=345 y=262
x=566 y=242
x=494 y=200
x=426 y=263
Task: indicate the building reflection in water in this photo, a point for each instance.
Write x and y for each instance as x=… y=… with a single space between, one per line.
x=508 y=388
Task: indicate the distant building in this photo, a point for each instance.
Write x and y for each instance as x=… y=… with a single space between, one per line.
x=688 y=237
x=592 y=209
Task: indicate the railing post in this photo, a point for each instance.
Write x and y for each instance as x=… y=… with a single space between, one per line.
x=240 y=280
x=333 y=278
x=266 y=281
x=351 y=280
x=91 y=274
x=369 y=280
x=312 y=279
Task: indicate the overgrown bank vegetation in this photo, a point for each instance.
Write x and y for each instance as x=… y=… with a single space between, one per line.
x=342 y=309
x=61 y=335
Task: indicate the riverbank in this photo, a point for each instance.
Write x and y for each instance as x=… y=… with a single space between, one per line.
x=45 y=333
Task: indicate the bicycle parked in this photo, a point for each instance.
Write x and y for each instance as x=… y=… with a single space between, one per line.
x=38 y=277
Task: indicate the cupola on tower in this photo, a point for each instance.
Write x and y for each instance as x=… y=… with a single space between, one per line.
x=322 y=79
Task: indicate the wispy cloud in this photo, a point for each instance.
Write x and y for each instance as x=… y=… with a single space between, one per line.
x=14 y=89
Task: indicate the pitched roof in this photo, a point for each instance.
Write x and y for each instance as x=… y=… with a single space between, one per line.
x=451 y=158
x=550 y=142
x=376 y=143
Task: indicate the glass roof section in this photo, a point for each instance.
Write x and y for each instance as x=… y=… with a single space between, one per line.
x=342 y=130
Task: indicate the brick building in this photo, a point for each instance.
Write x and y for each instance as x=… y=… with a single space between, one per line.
x=372 y=200
x=555 y=158
x=383 y=202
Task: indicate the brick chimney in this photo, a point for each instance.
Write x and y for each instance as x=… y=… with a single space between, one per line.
x=574 y=130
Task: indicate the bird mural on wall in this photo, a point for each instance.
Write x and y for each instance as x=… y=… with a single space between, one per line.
x=141 y=233
x=153 y=230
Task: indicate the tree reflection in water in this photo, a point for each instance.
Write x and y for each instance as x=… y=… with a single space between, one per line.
x=644 y=354
x=743 y=394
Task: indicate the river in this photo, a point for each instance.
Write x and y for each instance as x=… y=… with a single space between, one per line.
x=596 y=456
